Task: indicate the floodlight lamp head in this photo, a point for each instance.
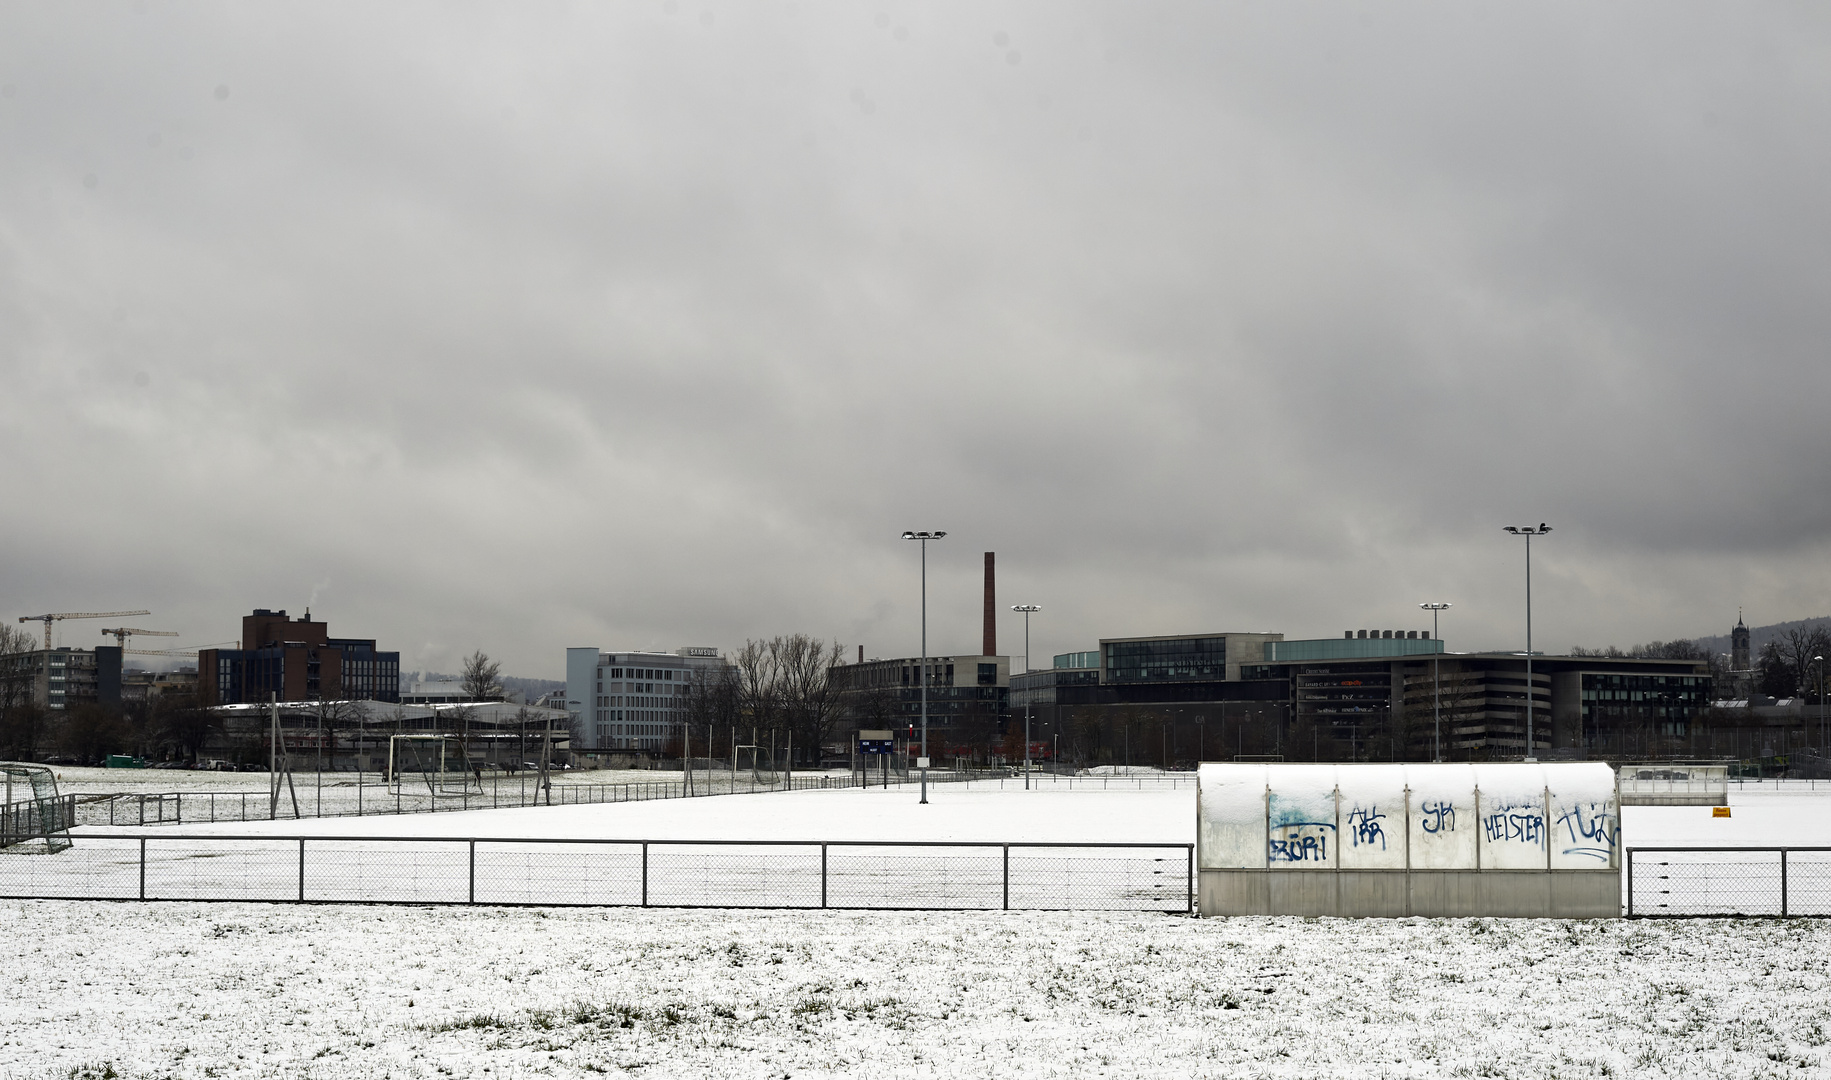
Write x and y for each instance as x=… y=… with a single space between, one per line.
x=909 y=535
x=1026 y=607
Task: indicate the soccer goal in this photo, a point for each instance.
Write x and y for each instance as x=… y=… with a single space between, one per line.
x=431 y=764
x=32 y=818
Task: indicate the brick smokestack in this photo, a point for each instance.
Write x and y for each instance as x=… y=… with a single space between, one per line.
x=991 y=610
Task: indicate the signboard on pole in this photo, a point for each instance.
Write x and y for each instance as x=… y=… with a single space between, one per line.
x=876 y=742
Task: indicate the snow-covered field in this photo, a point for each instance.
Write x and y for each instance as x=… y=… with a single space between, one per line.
x=181 y=990
x=955 y=812
x=258 y=991
x=379 y=858
x=197 y=796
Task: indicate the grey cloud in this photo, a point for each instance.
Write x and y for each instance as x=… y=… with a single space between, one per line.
x=535 y=327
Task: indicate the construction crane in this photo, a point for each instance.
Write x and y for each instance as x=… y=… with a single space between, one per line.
x=182 y=653
x=125 y=632
x=60 y=615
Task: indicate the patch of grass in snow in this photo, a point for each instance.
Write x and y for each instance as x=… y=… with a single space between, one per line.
x=104 y=1071
x=480 y=1022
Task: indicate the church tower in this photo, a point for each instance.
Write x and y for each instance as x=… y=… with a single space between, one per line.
x=1738 y=645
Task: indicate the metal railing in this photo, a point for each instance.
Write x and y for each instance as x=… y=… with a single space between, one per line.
x=32 y=819
x=1780 y=882
x=875 y=875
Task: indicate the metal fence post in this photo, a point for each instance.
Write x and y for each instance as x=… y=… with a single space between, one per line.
x=1783 y=896
x=1189 y=881
x=823 y=875
x=1007 y=898
x=1630 y=854
x=645 y=873
x=143 y=868
x=301 y=868
x=473 y=873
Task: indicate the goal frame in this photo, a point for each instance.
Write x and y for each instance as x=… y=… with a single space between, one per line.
x=450 y=775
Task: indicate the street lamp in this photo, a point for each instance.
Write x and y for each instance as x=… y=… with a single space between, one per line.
x=1820 y=661
x=923 y=538
x=1436 y=679
x=1026 y=609
x=1529 y=532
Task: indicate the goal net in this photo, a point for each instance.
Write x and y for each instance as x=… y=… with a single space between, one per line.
x=33 y=820
x=431 y=765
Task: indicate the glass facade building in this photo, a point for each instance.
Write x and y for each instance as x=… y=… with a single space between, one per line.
x=1187 y=659
x=1668 y=703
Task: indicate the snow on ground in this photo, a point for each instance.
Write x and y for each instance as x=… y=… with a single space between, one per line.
x=238 y=990
x=1054 y=813
x=250 y=990
x=954 y=812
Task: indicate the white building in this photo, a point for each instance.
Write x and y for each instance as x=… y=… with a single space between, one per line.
x=632 y=701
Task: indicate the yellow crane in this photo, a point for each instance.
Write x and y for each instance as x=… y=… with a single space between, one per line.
x=124 y=633
x=60 y=615
x=182 y=653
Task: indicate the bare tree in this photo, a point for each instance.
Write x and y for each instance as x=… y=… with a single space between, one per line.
x=182 y=722
x=21 y=720
x=1799 y=649
x=809 y=696
x=480 y=678
x=756 y=679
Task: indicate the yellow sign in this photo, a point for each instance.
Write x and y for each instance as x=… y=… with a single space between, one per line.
x=1719 y=811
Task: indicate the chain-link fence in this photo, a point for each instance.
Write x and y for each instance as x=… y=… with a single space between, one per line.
x=338 y=796
x=1750 y=881
x=912 y=875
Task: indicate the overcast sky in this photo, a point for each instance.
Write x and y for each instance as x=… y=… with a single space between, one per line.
x=649 y=324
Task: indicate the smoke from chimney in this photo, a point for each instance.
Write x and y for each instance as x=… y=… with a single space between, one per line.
x=991 y=610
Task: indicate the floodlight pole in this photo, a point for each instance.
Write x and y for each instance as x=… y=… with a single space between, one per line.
x=1027 y=609
x=1821 y=705
x=1529 y=532
x=1436 y=679
x=924 y=538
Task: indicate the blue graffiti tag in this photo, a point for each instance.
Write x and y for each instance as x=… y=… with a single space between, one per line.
x=1295 y=846
x=1511 y=823
x=1593 y=823
x=1437 y=817
x=1365 y=826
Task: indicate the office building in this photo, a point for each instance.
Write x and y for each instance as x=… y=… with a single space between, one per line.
x=63 y=678
x=968 y=699
x=633 y=702
x=297 y=660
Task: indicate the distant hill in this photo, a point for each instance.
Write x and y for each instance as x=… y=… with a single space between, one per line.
x=1761 y=635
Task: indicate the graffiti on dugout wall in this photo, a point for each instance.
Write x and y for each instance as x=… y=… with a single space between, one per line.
x=1364 y=827
x=1591 y=829
x=1300 y=842
x=1436 y=817
x=1522 y=823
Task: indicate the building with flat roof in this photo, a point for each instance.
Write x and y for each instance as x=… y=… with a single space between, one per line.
x=296 y=660
x=633 y=702
x=61 y=679
x=1368 y=695
x=968 y=699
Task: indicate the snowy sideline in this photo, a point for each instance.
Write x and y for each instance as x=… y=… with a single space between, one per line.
x=236 y=990
x=987 y=813
x=954 y=813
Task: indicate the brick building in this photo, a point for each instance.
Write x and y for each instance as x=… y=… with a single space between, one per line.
x=298 y=660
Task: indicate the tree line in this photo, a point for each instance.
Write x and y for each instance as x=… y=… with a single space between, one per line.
x=777 y=691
